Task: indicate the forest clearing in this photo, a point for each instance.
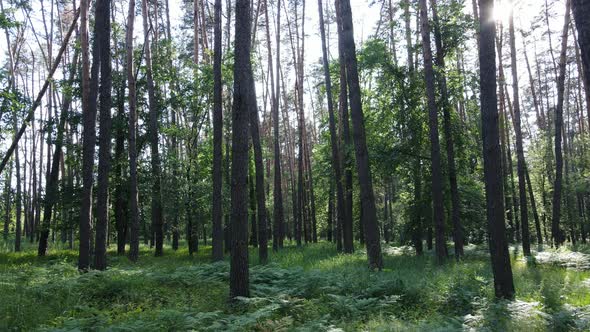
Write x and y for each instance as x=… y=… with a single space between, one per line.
x=295 y=165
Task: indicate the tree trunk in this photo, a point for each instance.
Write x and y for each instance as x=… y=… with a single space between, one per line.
x=336 y=159
x=103 y=33
x=502 y=271
x=369 y=214
x=556 y=232
x=345 y=228
x=534 y=207
x=89 y=92
x=524 y=218
x=133 y=190
x=157 y=219
x=581 y=11
x=18 y=197
x=437 y=195
x=52 y=185
x=448 y=131
x=244 y=106
x=217 y=244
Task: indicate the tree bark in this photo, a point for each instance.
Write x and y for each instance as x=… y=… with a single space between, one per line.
x=581 y=12
x=520 y=161
x=344 y=229
x=336 y=159
x=436 y=169
x=502 y=271
x=89 y=92
x=133 y=190
x=556 y=231
x=244 y=105
x=448 y=132
x=52 y=188
x=157 y=219
x=369 y=215
x=217 y=238
x=103 y=33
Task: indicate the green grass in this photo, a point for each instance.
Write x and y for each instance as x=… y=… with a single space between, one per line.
x=310 y=289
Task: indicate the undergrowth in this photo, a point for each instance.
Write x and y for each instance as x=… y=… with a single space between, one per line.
x=310 y=289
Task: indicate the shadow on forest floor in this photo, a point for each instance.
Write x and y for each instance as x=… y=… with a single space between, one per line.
x=312 y=288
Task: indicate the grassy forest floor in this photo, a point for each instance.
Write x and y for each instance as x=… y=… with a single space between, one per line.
x=310 y=289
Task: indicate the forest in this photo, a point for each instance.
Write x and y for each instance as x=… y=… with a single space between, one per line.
x=293 y=165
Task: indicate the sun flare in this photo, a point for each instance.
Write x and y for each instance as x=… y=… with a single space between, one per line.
x=502 y=10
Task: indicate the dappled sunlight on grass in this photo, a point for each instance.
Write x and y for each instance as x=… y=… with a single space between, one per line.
x=311 y=288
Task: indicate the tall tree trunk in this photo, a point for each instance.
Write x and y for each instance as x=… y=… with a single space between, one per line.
x=89 y=92
x=252 y=202
x=448 y=131
x=157 y=219
x=18 y=197
x=520 y=162
x=132 y=144
x=581 y=11
x=369 y=215
x=556 y=232
x=345 y=229
x=502 y=271
x=437 y=195
x=52 y=185
x=259 y=166
x=7 y=207
x=279 y=213
x=244 y=105
x=103 y=33
x=534 y=207
x=217 y=244
x=120 y=205
x=336 y=159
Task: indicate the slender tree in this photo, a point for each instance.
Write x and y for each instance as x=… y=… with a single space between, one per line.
x=369 y=215
x=89 y=87
x=581 y=11
x=556 y=231
x=520 y=161
x=217 y=244
x=344 y=231
x=157 y=219
x=132 y=144
x=502 y=271
x=332 y=123
x=448 y=132
x=103 y=34
x=436 y=169
x=244 y=104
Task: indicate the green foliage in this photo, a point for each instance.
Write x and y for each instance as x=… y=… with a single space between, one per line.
x=311 y=289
